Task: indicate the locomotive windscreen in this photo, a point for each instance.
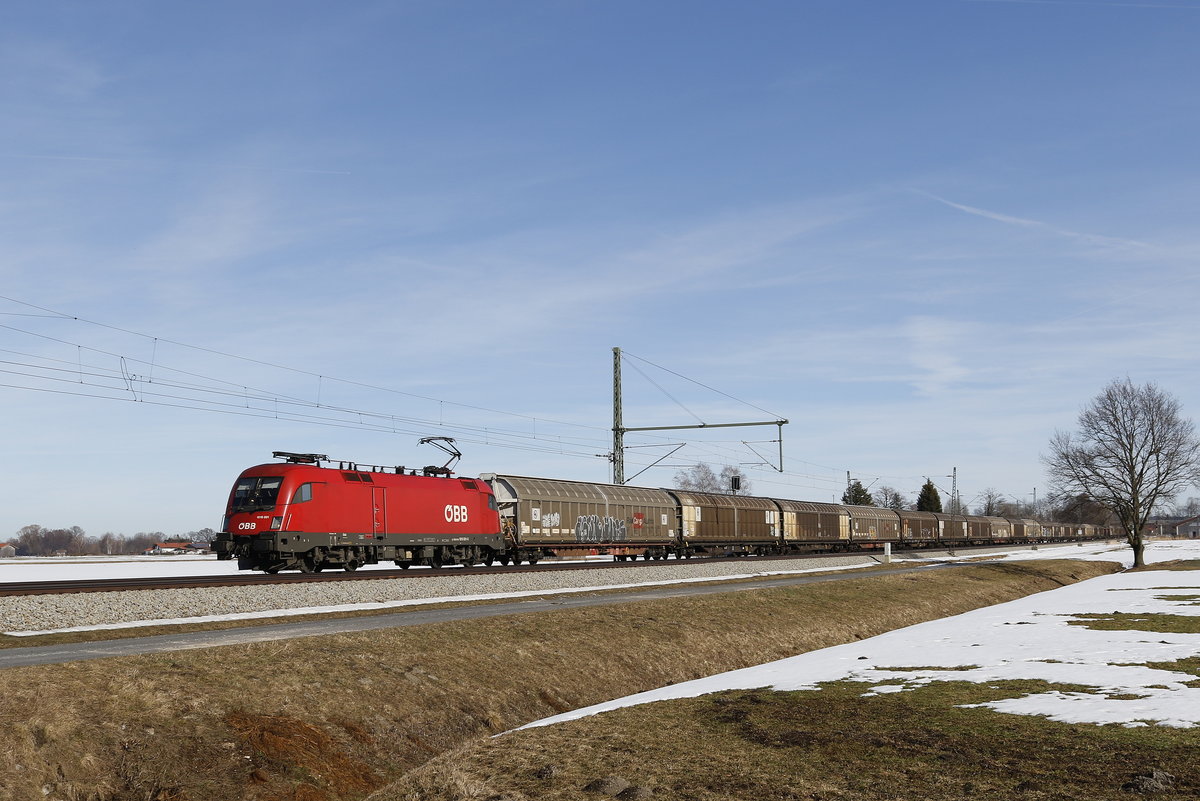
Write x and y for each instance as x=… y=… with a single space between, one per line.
x=256 y=493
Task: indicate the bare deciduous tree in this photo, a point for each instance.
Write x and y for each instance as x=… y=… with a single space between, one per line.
x=992 y=501
x=1133 y=451
x=890 y=498
x=701 y=478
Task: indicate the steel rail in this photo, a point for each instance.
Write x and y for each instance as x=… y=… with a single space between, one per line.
x=20 y=588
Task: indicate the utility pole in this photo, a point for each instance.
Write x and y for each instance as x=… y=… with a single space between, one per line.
x=619 y=429
x=954 y=490
x=618 y=454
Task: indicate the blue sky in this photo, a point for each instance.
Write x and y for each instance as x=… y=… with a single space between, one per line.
x=926 y=233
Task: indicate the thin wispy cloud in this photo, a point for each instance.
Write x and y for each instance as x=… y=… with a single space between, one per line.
x=1008 y=219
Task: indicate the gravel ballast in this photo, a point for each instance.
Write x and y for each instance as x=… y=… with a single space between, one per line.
x=45 y=613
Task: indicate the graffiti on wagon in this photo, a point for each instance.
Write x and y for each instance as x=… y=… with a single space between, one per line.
x=593 y=528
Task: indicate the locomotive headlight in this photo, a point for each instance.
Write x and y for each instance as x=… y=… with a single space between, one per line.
x=276 y=523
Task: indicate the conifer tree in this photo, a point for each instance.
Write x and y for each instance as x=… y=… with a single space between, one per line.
x=929 y=500
x=856 y=495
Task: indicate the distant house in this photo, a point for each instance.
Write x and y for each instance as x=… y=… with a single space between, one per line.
x=7 y=551
x=1187 y=528
x=168 y=548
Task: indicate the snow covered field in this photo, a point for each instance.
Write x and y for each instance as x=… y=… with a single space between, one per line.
x=1030 y=638
x=78 y=568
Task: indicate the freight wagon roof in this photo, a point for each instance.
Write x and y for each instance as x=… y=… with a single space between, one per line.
x=810 y=506
x=689 y=498
x=871 y=513
x=554 y=489
x=911 y=514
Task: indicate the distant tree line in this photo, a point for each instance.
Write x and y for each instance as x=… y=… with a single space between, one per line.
x=991 y=503
x=35 y=540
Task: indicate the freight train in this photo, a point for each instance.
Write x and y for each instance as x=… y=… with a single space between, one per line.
x=300 y=515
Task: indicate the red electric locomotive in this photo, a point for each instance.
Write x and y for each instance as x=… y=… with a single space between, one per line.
x=298 y=514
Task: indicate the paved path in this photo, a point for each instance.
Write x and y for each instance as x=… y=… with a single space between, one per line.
x=74 y=652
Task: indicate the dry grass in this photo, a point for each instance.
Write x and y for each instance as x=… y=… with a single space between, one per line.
x=1128 y=621
x=336 y=717
x=1177 y=564
x=830 y=744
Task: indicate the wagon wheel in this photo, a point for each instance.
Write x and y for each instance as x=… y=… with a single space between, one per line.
x=273 y=569
x=403 y=564
x=350 y=565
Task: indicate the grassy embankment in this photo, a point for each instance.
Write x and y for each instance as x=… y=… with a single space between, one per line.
x=839 y=742
x=337 y=717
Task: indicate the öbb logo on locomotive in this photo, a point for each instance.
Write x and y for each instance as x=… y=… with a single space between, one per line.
x=344 y=516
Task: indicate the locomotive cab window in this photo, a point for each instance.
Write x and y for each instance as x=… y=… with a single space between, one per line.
x=303 y=493
x=256 y=493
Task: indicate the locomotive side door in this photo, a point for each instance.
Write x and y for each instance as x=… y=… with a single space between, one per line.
x=378 y=511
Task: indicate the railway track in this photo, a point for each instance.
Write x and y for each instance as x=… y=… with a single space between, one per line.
x=18 y=588
x=256 y=579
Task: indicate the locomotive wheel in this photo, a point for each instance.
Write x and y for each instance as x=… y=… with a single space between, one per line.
x=504 y=559
x=489 y=559
x=273 y=569
x=437 y=560
x=309 y=565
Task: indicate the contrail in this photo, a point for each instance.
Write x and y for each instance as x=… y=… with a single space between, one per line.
x=1095 y=239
